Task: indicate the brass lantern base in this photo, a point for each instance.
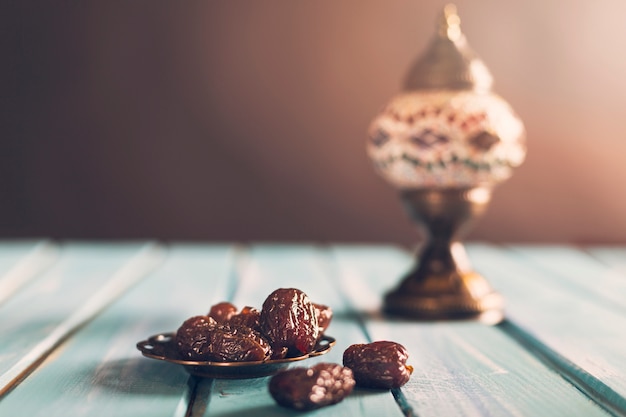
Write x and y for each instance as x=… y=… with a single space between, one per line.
x=442 y=284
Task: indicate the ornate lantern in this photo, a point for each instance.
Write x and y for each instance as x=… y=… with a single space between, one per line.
x=444 y=143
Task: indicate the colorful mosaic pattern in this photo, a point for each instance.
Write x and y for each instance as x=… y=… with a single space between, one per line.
x=446 y=139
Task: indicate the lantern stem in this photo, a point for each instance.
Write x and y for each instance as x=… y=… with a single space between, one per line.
x=442 y=284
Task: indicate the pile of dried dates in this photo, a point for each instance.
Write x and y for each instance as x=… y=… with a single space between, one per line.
x=288 y=325
x=379 y=364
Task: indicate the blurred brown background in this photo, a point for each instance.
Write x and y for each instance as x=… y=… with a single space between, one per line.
x=246 y=120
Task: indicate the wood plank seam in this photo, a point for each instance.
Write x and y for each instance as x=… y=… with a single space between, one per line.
x=241 y=261
x=590 y=291
x=199 y=390
x=598 y=392
x=196 y=399
x=403 y=403
x=467 y=367
x=330 y=265
x=41 y=257
x=122 y=280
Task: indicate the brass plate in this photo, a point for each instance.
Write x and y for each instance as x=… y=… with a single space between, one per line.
x=163 y=347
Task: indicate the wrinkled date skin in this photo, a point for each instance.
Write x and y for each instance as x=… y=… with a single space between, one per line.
x=202 y=338
x=222 y=312
x=324 y=315
x=248 y=316
x=379 y=364
x=288 y=325
x=289 y=321
x=238 y=343
x=311 y=388
x=192 y=335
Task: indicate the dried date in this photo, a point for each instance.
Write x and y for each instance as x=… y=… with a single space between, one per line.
x=191 y=337
x=324 y=315
x=248 y=316
x=288 y=325
x=201 y=338
x=379 y=364
x=222 y=312
x=289 y=321
x=311 y=388
x=237 y=344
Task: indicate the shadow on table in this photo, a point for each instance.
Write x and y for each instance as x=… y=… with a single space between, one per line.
x=274 y=410
x=357 y=316
x=261 y=411
x=141 y=376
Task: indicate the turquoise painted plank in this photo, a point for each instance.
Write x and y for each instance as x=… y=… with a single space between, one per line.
x=562 y=319
x=461 y=368
x=21 y=261
x=99 y=372
x=96 y=364
x=368 y=271
x=592 y=277
x=612 y=256
x=85 y=279
x=311 y=269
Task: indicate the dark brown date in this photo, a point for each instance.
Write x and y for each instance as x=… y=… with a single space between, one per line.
x=237 y=344
x=222 y=312
x=248 y=316
x=201 y=338
x=288 y=320
x=192 y=337
x=311 y=388
x=324 y=315
x=379 y=364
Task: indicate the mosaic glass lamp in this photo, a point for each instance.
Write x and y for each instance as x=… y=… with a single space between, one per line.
x=444 y=142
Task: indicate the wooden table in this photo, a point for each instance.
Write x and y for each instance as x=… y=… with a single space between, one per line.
x=71 y=314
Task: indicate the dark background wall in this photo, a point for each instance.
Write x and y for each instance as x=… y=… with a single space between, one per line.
x=246 y=120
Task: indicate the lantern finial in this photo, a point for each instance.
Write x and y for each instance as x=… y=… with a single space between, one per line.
x=448 y=62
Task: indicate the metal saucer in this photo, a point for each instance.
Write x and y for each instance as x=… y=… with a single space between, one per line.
x=163 y=347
